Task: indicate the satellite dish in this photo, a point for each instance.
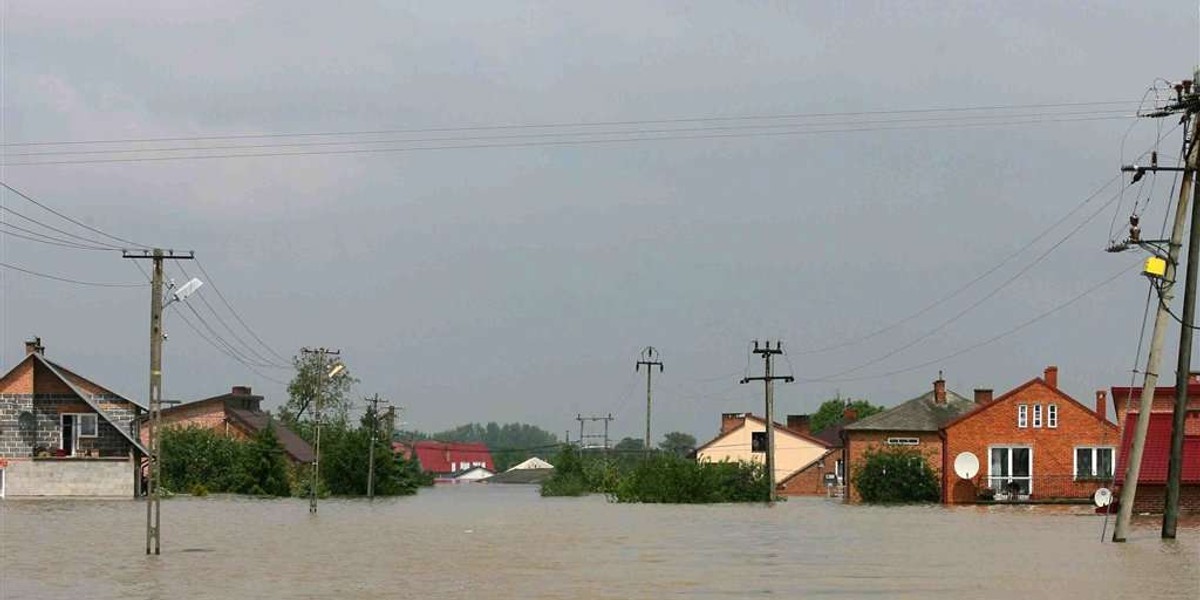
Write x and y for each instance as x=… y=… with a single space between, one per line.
x=1102 y=497
x=966 y=465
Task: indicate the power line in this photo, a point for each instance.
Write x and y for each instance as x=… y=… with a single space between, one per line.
x=981 y=300
x=109 y=151
x=519 y=126
x=35 y=236
x=57 y=230
x=235 y=314
x=987 y=341
x=548 y=143
x=68 y=279
x=266 y=362
x=68 y=218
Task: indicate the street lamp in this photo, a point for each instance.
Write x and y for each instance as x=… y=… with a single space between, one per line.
x=337 y=368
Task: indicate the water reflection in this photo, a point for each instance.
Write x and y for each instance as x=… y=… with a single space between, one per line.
x=481 y=541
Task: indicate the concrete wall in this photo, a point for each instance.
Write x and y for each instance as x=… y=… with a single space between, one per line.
x=46 y=408
x=69 y=477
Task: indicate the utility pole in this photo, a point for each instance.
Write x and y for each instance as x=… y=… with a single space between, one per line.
x=650 y=359
x=154 y=470
x=374 y=401
x=583 y=438
x=768 y=388
x=1165 y=290
x=315 y=478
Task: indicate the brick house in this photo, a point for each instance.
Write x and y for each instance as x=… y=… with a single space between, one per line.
x=801 y=460
x=239 y=415
x=64 y=435
x=916 y=423
x=1034 y=442
x=1151 y=491
x=446 y=460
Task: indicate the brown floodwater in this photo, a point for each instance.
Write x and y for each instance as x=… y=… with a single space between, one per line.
x=481 y=541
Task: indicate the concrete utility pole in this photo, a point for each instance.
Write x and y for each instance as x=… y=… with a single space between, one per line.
x=1166 y=295
x=768 y=389
x=315 y=477
x=374 y=401
x=650 y=359
x=583 y=438
x=154 y=471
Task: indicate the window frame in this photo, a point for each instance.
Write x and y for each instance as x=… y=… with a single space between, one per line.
x=1052 y=416
x=1095 y=451
x=991 y=479
x=763 y=446
x=1037 y=416
x=79 y=425
x=1022 y=416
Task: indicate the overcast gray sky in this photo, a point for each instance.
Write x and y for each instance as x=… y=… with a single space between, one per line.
x=519 y=283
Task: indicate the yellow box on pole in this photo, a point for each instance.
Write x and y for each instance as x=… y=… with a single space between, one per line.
x=1155 y=267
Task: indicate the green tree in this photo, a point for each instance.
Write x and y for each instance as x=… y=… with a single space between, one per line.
x=264 y=467
x=832 y=410
x=312 y=378
x=678 y=443
x=629 y=444
x=510 y=443
x=895 y=475
x=345 y=462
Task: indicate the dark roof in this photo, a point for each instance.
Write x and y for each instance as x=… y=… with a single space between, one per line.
x=832 y=435
x=919 y=414
x=1157 y=452
x=294 y=445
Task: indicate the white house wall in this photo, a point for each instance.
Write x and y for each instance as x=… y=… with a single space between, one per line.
x=791 y=452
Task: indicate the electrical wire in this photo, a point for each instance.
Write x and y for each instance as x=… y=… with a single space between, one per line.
x=237 y=316
x=987 y=341
x=264 y=361
x=35 y=236
x=521 y=126
x=90 y=241
x=68 y=218
x=549 y=143
x=68 y=279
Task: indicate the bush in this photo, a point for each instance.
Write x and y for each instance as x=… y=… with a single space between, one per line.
x=666 y=478
x=896 y=475
x=199 y=459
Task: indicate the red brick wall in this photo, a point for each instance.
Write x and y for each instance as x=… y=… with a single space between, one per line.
x=18 y=381
x=1152 y=497
x=209 y=415
x=810 y=481
x=1053 y=449
x=858 y=442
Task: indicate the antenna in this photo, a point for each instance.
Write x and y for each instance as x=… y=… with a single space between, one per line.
x=966 y=465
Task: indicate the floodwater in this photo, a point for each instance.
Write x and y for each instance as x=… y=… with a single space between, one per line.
x=481 y=541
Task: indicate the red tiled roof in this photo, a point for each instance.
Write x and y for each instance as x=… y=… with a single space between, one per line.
x=1158 y=450
x=447 y=457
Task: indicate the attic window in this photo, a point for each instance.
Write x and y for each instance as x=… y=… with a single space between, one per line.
x=758 y=441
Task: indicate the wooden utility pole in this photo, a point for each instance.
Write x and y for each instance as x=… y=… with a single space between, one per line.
x=768 y=380
x=153 y=424
x=315 y=476
x=374 y=402
x=650 y=359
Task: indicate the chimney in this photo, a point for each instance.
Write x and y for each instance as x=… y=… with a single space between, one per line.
x=939 y=390
x=983 y=396
x=34 y=346
x=1051 y=376
x=731 y=421
x=1102 y=404
x=799 y=424
x=850 y=415
x=241 y=390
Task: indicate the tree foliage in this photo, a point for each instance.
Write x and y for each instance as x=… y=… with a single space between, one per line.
x=660 y=477
x=895 y=475
x=345 y=464
x=678 y=443
x=510 y=443
x=203 y=460
x=832 y=410
x=310 y=381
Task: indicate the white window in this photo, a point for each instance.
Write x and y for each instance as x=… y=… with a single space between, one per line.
x=1022 y=415
x=1052 y=416
x=1094 y=463
x=88 y=426
x=1010 y=470
x=1037 y=415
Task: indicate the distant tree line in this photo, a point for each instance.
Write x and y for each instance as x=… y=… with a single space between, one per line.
x=510 y=443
